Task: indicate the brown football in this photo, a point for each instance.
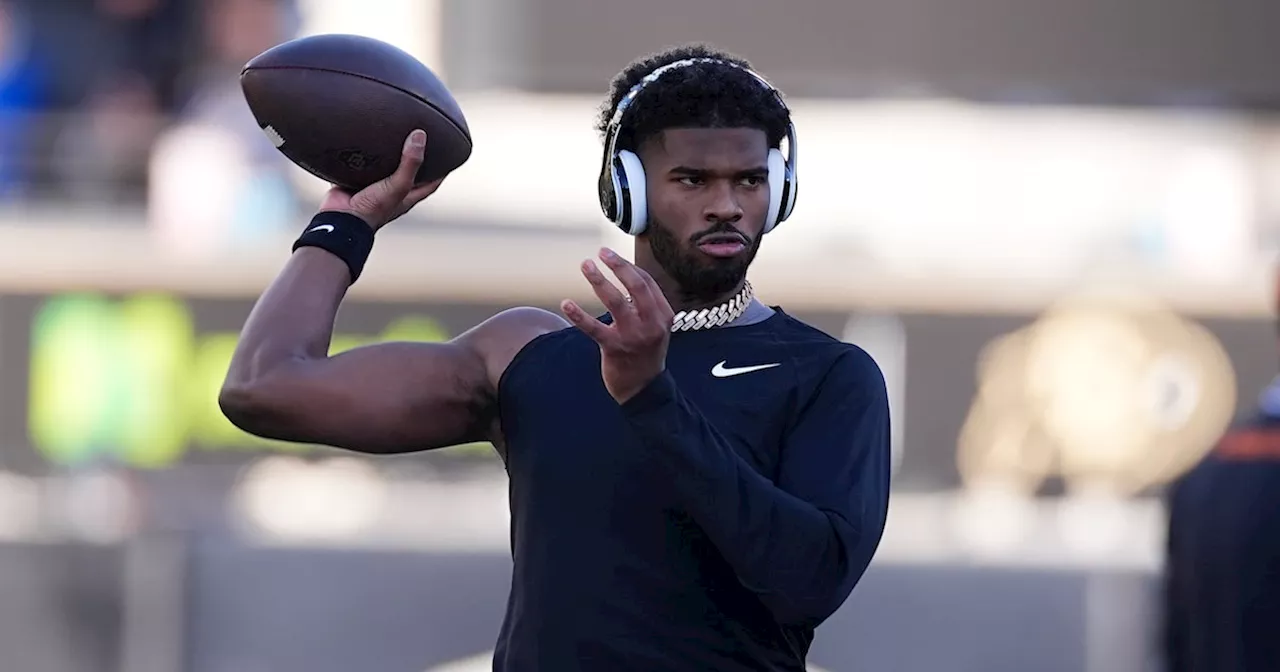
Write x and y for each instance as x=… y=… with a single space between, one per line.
x=341 y=106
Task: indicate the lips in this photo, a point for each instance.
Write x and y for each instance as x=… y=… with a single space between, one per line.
x=723 y=245
x=723 y=239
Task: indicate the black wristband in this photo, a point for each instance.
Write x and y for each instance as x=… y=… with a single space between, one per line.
x=344 y=235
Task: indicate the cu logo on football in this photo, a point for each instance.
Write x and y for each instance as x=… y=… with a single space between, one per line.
x=356 y=159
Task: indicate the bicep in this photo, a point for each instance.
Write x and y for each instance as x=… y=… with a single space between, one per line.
x=392 y=397
x=383 y=398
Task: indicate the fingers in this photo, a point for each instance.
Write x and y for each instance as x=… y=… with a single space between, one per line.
x=612 y=298
x=639 y=315
x=647 y=297
x=387 y=199
x=640 y=287
x=597 y=330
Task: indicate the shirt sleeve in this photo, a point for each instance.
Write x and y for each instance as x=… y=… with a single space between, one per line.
x=802 y=543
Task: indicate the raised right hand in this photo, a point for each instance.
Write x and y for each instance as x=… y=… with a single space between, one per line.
x=389 y=198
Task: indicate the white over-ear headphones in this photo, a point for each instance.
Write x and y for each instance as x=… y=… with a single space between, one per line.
x=623 y=195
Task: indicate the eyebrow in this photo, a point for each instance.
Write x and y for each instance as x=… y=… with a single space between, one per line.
x=699 y=172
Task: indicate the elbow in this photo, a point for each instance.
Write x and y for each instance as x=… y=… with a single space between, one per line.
x=261 y=402
x=813 y=610
x=248 y=407
x=821 y=590
x=239 y=404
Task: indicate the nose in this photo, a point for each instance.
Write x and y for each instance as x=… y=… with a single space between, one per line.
x=722 y=203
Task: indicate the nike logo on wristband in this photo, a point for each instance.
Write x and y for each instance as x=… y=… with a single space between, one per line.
x=321 y=227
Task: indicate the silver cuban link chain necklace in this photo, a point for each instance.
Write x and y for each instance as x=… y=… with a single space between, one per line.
x=715 y=316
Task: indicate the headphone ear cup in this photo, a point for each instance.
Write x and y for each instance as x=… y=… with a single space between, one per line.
x=777 y=189
x=607 y=189
x=790 y=188
x=632 y=193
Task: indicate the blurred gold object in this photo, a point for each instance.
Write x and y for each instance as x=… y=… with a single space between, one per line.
x=1114 y=393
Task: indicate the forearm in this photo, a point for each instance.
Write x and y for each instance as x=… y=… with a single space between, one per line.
x=794 y=556
x=800 y=559
x=294 y=318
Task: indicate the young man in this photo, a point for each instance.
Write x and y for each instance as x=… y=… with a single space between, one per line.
x=697 y=480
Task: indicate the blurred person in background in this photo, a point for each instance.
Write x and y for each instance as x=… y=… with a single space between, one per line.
x=24 y=82
x=1222 y=564
x=215 y=143
x=114 y=71
x=103 y=157
x=689 y=491
x=232 y=33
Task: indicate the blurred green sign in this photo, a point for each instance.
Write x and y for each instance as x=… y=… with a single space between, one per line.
x=132 y=380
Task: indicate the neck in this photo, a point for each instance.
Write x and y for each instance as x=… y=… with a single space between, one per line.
x=681 y=299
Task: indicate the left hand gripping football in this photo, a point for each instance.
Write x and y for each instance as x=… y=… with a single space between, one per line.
x=633 y=350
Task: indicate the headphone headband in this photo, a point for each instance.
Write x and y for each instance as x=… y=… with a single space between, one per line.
x=615 y=122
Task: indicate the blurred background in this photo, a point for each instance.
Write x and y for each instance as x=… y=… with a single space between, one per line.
x=1051 y=223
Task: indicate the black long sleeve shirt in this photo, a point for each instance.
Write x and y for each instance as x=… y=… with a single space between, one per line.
x=711 y=522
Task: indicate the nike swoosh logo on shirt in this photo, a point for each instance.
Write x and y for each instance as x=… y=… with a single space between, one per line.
x=722 y=371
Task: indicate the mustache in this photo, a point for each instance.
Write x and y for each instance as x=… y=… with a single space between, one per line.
x=723 y=230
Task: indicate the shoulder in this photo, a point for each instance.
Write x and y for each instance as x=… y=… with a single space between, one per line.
x=852 y=373
x=804 y=337
x=500 y=338
x=826 y=361
x=523 y=320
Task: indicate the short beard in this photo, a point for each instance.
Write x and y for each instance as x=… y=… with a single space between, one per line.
x=701 y=279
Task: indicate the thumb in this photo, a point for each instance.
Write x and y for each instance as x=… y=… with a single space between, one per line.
x=379 y=200
x=411 y=158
